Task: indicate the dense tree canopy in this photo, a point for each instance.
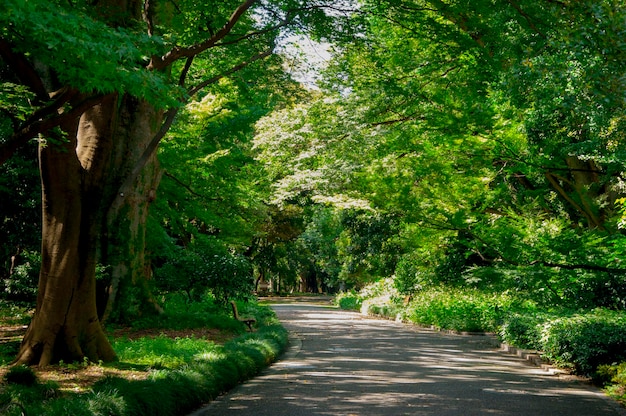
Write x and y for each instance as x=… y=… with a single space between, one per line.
x=492 y=129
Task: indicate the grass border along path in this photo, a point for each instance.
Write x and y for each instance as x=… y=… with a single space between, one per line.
x=166 y=391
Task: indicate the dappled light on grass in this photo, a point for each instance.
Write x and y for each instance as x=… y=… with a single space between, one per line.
x=214 y=355
x=162 y=351
x=161 y=370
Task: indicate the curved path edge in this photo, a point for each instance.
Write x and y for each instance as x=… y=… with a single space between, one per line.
x=342 y=363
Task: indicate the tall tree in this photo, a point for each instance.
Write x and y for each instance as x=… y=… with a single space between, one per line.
x=108 y=79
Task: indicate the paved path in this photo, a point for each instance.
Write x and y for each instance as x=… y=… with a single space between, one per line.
x=343 y=364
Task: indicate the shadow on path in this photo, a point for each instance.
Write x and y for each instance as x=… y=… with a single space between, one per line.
x=340 y=363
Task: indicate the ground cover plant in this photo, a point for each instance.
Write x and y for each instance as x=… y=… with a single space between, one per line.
x=186 y=357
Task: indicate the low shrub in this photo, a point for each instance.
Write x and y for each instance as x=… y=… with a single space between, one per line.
x=455 y=309
x=459 y=310
x=206 y=265
x=584 y=341
x=380 y=298
x=613 y=377
x=349 y=301
x=179 y=314
x=523 y=330
x=22 y=284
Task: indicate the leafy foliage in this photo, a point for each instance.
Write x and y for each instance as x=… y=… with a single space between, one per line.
x=206 y=265
x=348 y=300
x=21 y=285
x=586 y=340
x=103 y=59
x=615 y=376
x=491 y=132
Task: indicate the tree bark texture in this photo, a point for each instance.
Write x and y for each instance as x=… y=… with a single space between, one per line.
x=85 y=221
x=65 y=325
x=124 y=245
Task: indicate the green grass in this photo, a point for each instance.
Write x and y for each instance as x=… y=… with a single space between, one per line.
x=179 y=373
x=162 y=351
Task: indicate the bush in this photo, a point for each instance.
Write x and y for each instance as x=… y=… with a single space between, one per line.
x=460 y=310
x=584 y=341
x=409 y=275
x=206 y=265
x=348 y=300
x=21 y=285
x=180 y=314
x=522 y=330
x=380 y=298
x=614 y=377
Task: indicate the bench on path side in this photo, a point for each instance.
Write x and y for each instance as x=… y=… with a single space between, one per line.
x=245 y=319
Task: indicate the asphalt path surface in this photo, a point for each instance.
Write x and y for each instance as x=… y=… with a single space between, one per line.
x=341 y=363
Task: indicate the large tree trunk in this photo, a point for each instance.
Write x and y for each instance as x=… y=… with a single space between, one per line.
x=85 y=220
x=65 y=324
x=124 y=245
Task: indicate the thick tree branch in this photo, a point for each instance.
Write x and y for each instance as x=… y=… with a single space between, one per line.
x=289 y=17
x=250 y=35
x=148 y=15
x=60 y=99
x=38 y=126
x=188 y=188
x=591 y=220
x=181 y=183
x=183 y=74
x=179 y=52
x=49 y=115
x=236 y=68
x=527 y=17
x=170 y=115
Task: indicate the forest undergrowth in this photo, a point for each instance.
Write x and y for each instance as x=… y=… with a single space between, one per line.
x=185 y=357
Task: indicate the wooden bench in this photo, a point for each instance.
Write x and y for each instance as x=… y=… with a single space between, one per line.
x=249 y=321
